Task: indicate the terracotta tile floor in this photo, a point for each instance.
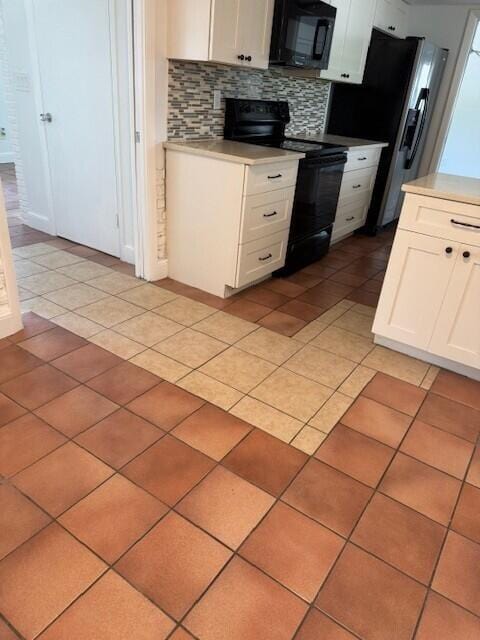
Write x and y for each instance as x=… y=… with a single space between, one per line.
x=131 y=508
x=173 y=465
x=287 y=356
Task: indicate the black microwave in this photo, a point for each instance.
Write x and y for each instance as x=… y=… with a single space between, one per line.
x=302 y=33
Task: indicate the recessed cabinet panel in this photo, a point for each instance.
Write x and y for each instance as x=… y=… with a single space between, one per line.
x=351 y=39
x=256 y=18
x=266 y=213
x=417 y=278
x=225 y=43
x=236 y=32
x=457 y=334
x=391 y=16
x=261 y=257
x=442 y=218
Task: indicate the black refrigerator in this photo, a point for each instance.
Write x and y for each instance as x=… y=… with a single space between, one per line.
x=394 y=104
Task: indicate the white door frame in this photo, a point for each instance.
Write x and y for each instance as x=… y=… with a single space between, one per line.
x=149 y=21
x=460 y=67
x=126 y=171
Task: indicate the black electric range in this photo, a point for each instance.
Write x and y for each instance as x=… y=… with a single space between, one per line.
x=263 y=122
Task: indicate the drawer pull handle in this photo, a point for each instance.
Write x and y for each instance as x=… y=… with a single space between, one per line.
x=364 y=158
x=448 y=250
x=241 y=57
x=350 y=219
x=270 y=215
x=466 y=254
x=279 y=175
x=267 y=257
x=356 y=186
x=465 y=224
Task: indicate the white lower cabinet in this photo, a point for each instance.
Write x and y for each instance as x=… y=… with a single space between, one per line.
x=430 y=297
x=457 y=332
x=418 y=273
x=228 y=221
x=358 y=181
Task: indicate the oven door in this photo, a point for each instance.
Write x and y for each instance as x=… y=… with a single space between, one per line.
x=316 y=195
x=302 y=33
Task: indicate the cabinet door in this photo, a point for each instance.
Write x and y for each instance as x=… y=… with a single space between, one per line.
x=415 y=284
x=351 y=39
x=457 y=334
x=392 y=16
x=357 y=40
x=335 y=69
x=225 y=36
x=256 y=18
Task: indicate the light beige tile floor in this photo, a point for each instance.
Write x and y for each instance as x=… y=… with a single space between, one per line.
x=294 y=388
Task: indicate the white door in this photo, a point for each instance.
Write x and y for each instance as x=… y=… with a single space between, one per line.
x=73 y=41
x=417 y=277
x=225 y=44
x=256 y=31
x=457 y=334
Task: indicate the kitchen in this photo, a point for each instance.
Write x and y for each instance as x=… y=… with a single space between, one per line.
x=333 y=156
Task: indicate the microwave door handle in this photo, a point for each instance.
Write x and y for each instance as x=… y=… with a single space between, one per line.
x=423 y=97
x=320 y=23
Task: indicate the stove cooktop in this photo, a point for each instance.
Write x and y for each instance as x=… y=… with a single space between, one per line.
x=302 y=146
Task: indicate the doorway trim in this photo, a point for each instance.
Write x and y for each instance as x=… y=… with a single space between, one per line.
x=149 y=22
x=125 y=147
x=470 y=29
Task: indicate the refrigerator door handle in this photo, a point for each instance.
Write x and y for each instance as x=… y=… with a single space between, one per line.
x=423 y=97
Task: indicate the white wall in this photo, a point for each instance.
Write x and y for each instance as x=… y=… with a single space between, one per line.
x=460 y=155
x=6 y=154
x=445 y=26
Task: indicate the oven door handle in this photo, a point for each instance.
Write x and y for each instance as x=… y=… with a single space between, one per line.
x=326 y=161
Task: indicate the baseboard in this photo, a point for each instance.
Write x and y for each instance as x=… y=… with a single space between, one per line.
x=128 y=254
x=7 y=157
x=9 y=325
x=40 y=223
x=158 y=272
x=413 y=352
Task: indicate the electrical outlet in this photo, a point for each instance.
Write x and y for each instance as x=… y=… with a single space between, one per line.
x=217 y=99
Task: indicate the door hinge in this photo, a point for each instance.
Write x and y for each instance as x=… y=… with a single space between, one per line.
x=137 y=136
x=117 y=221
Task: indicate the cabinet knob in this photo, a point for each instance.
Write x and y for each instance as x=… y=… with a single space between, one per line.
x=448 y=250
x=392 y=28
x=241 y=57
x=466 y=254
x=248 y=58
x=345 y=75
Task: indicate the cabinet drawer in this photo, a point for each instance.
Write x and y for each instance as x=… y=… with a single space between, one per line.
x=350 y=217
x=362 y=158
x=266 y=213
x=441 y=218
x=267 y=177
x=261 y=257
x=356 y=182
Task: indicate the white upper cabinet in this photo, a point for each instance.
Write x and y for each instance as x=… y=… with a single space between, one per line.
x=228 y=31
x=351 y=39
x=391 y=16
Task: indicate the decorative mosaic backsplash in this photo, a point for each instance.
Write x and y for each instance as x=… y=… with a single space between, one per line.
x=190 y=97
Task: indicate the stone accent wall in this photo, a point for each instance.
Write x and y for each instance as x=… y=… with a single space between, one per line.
x=190 y=97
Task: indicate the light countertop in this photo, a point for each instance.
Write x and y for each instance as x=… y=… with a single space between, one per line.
x=448 y=187
x=231 y=151
x=329 y=138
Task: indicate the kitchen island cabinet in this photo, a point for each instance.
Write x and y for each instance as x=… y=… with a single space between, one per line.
x=430 y=301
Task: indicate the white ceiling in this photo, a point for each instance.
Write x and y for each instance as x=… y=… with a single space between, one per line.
x=454 y=2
